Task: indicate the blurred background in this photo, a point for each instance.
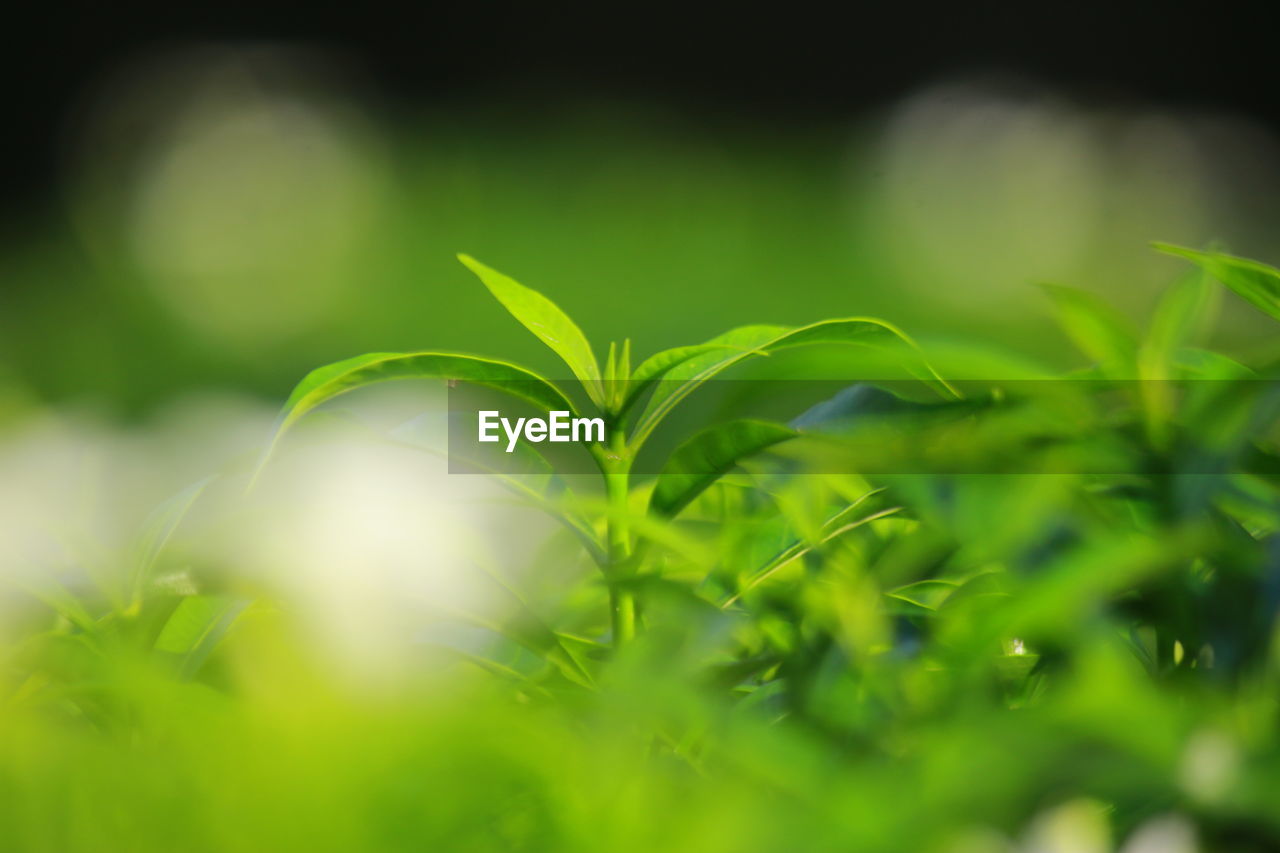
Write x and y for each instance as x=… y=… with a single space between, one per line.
x=201 y=197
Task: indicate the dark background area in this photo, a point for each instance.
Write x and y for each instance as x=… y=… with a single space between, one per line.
x=792 y=62
x=738 y=162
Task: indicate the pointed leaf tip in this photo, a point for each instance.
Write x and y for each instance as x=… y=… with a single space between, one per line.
x=546 y=321
x=1256 y=282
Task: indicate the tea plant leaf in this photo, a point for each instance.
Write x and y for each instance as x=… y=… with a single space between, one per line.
x=544 y=318
x=617 y=375
x=926 y=594
x=1097 y=329
x=1185 y=309
x=157 y=530
x=528 y=631
x=842 y=522
x=195 y=628
x=706 y=361
x=1206 y=364
x=61 y=600
x=656 y=366
x=501 y=670
x=982 y=361
x=611 y=363
x=707 y=456
x=325 y=383
x=1257 y=282
x=526 y=628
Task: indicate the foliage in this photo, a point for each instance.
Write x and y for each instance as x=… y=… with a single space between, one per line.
x=1069 y=627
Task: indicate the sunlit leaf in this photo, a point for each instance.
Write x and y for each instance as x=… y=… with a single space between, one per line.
x=721 y=353
x=544 y=318
x=654 y=368
x=325 y=383
x=195 y=628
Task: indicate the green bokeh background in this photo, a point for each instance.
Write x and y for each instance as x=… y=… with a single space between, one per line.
x=642 y=223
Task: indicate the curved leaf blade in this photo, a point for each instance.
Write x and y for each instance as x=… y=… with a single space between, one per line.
x=195 y=629
x=332 y=380
x=732 y=347
x=1182 y=315
x=1257 y=282
x=658 y=365
x=1096 y=329
x=547 y=321
x=845 y=520
x=707 y=457
x=1207 y=364
x=157 y=530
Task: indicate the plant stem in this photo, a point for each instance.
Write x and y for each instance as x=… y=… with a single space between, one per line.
x=622 y=603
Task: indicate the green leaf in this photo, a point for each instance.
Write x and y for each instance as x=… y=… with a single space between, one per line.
x=849 y=518
x=526 y=628
x=1207 y=364
x=927 y=594
x=325 y=383
x=1183 y=311
x=695 y=365
x=656 y=366
x=1257 y=282
x=1097 y=329
x=706 y=457
x=51 y=591
x=980 y=361
x=617 y=375
x=157 y=530
x=1181 y=316
x=195 y=628
x=544 y=318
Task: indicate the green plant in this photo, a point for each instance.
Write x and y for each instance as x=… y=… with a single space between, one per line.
x=634 y=403
x=629 y=533
x=1073 y=631
x=128 y=619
